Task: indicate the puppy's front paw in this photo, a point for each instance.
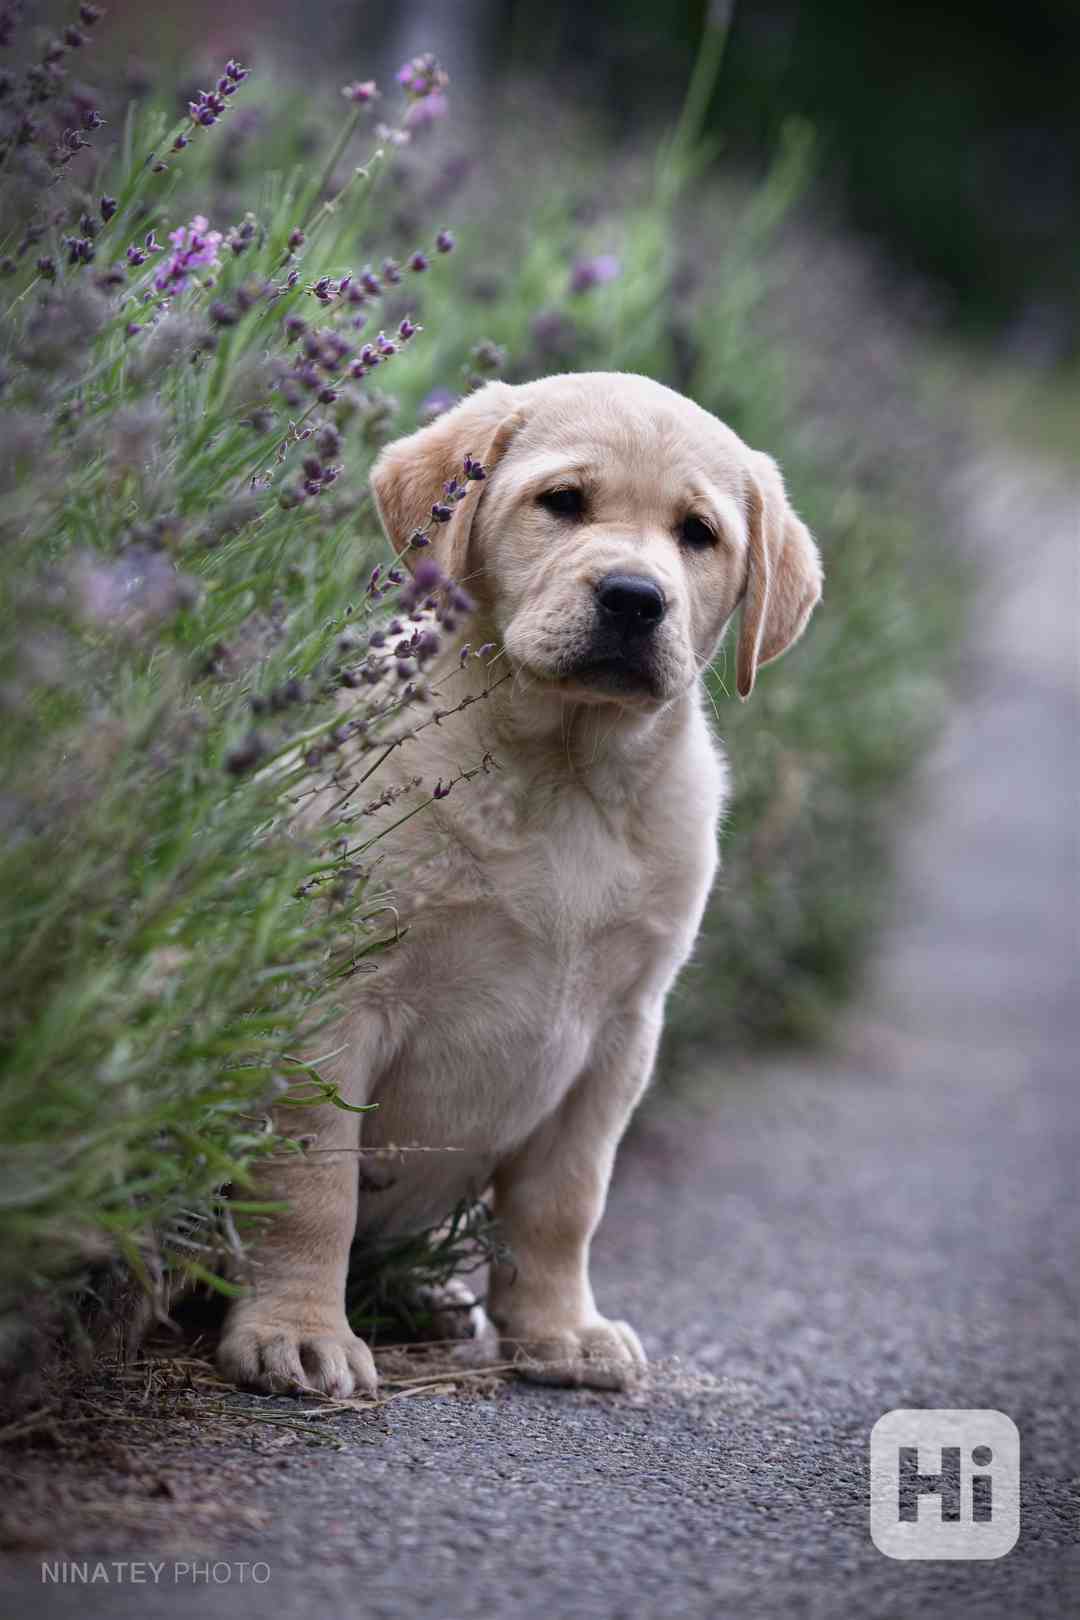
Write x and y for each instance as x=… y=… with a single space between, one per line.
x=274 y=1351
x=598 y=1355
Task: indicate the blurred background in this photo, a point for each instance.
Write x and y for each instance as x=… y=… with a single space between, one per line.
x=949 y=136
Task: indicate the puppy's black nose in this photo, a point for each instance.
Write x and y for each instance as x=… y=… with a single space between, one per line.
x=630 y=603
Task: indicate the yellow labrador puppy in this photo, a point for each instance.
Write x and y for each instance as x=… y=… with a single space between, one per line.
x=552 y=901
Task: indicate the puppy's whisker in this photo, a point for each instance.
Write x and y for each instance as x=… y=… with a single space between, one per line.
x=707 y=666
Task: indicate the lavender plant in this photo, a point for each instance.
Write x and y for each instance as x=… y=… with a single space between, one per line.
x=193 y=626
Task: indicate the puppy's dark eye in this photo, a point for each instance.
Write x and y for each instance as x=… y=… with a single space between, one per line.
x=696 y=533
x=564 y=503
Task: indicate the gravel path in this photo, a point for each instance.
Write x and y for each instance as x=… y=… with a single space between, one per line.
x=803 y=1247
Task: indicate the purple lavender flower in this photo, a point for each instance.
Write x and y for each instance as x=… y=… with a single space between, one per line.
x=445 y=242
x=207 y=108
x=422 y=77
x=419 y=261
x=210 y=105
x=194 y=248
x=428 y=576
x=594 y=272
x=360 y=91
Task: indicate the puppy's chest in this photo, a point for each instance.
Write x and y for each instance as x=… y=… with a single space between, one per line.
x=558 y=870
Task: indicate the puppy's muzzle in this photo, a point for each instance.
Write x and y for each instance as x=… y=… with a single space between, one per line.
x=620 y=654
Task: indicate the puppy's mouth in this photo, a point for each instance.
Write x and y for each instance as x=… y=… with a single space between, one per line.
x=617 y=676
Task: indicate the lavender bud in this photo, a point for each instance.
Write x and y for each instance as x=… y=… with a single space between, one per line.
x=360 y=92
x=246 y=755
x=445 y=242
x=418 y=262
x=107 y=206
x=428 y=575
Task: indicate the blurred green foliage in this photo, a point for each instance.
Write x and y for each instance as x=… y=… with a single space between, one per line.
x=948 y=130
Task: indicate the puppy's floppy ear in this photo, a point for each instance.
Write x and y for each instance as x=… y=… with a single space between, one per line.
x=784 y=576
x=408 y=477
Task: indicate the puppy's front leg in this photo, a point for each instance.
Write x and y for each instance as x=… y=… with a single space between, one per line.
x=549 y=1197
x=289 y=1330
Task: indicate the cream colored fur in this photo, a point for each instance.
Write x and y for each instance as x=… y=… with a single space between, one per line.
x=551 y=901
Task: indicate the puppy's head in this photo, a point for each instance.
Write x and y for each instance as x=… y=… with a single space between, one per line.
x=617 y=529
